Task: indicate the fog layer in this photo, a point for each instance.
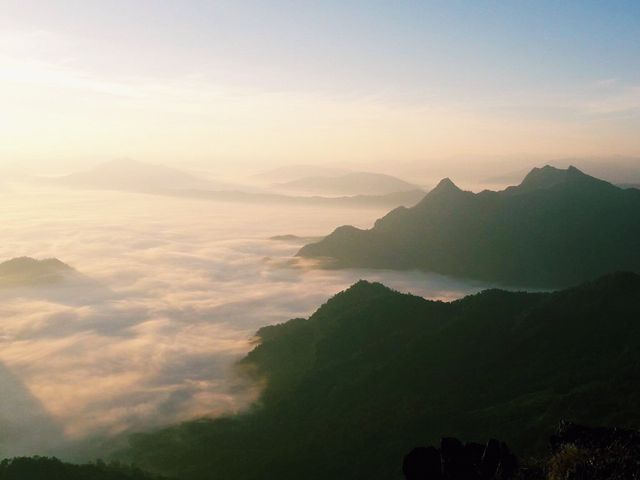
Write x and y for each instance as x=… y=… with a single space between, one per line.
x=168 y=296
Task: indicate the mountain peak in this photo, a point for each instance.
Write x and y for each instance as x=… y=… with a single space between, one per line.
x=24 y=271
x=27 y=263
x=446 y=185
x=360 y=291
x=548 y=176
x=367 y=286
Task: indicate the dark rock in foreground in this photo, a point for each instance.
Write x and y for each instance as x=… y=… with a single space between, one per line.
x=457 y=461
x=576 y=453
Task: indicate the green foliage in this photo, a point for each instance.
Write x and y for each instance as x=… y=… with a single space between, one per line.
x=567 y=463
x=43 y=468
x=613 y=462
x=373 y=373
x=557 y=228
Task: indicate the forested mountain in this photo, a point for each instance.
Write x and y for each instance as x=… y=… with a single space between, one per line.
x=557 y=228
x=43 y=468
x=374 y=372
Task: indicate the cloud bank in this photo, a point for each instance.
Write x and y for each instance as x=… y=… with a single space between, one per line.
x=177 y=289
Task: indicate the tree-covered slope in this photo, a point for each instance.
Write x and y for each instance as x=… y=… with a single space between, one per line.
x=374 y=373
x=557 y=228
x=43 y=468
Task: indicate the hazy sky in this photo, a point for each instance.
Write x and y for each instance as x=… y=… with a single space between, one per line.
x=316 y=81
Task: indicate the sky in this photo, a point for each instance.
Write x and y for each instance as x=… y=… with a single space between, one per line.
x=220 y=83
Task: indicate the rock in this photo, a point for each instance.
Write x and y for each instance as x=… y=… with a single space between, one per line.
x=422 y=463
x=457 y=461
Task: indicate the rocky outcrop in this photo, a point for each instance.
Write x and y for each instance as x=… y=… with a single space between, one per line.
x=454 y=460
x=576 y=452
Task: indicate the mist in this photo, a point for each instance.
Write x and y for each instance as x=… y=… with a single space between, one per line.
x=166 y=296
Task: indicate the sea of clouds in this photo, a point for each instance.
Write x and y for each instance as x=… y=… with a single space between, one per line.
x=168 y=295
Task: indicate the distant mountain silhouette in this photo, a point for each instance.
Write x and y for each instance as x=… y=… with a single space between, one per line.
x=373 y=373
x=292 y=238
x=295 y=172
x=25 y=271
x=557 y=228
x=356 y=183
x=391 y=200
x=132 y=175
x=616 y=170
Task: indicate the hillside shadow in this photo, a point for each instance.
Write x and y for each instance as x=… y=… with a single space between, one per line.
x=25 y=426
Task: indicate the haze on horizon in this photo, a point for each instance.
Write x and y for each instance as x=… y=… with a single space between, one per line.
x=157 y=117
x=383 y=84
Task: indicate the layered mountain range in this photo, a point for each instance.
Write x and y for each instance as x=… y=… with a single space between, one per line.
x=556 y=228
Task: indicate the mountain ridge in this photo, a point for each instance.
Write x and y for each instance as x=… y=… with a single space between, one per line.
x=352 y=183
x=136 y=176
x=544 y=232
x=374 y=372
